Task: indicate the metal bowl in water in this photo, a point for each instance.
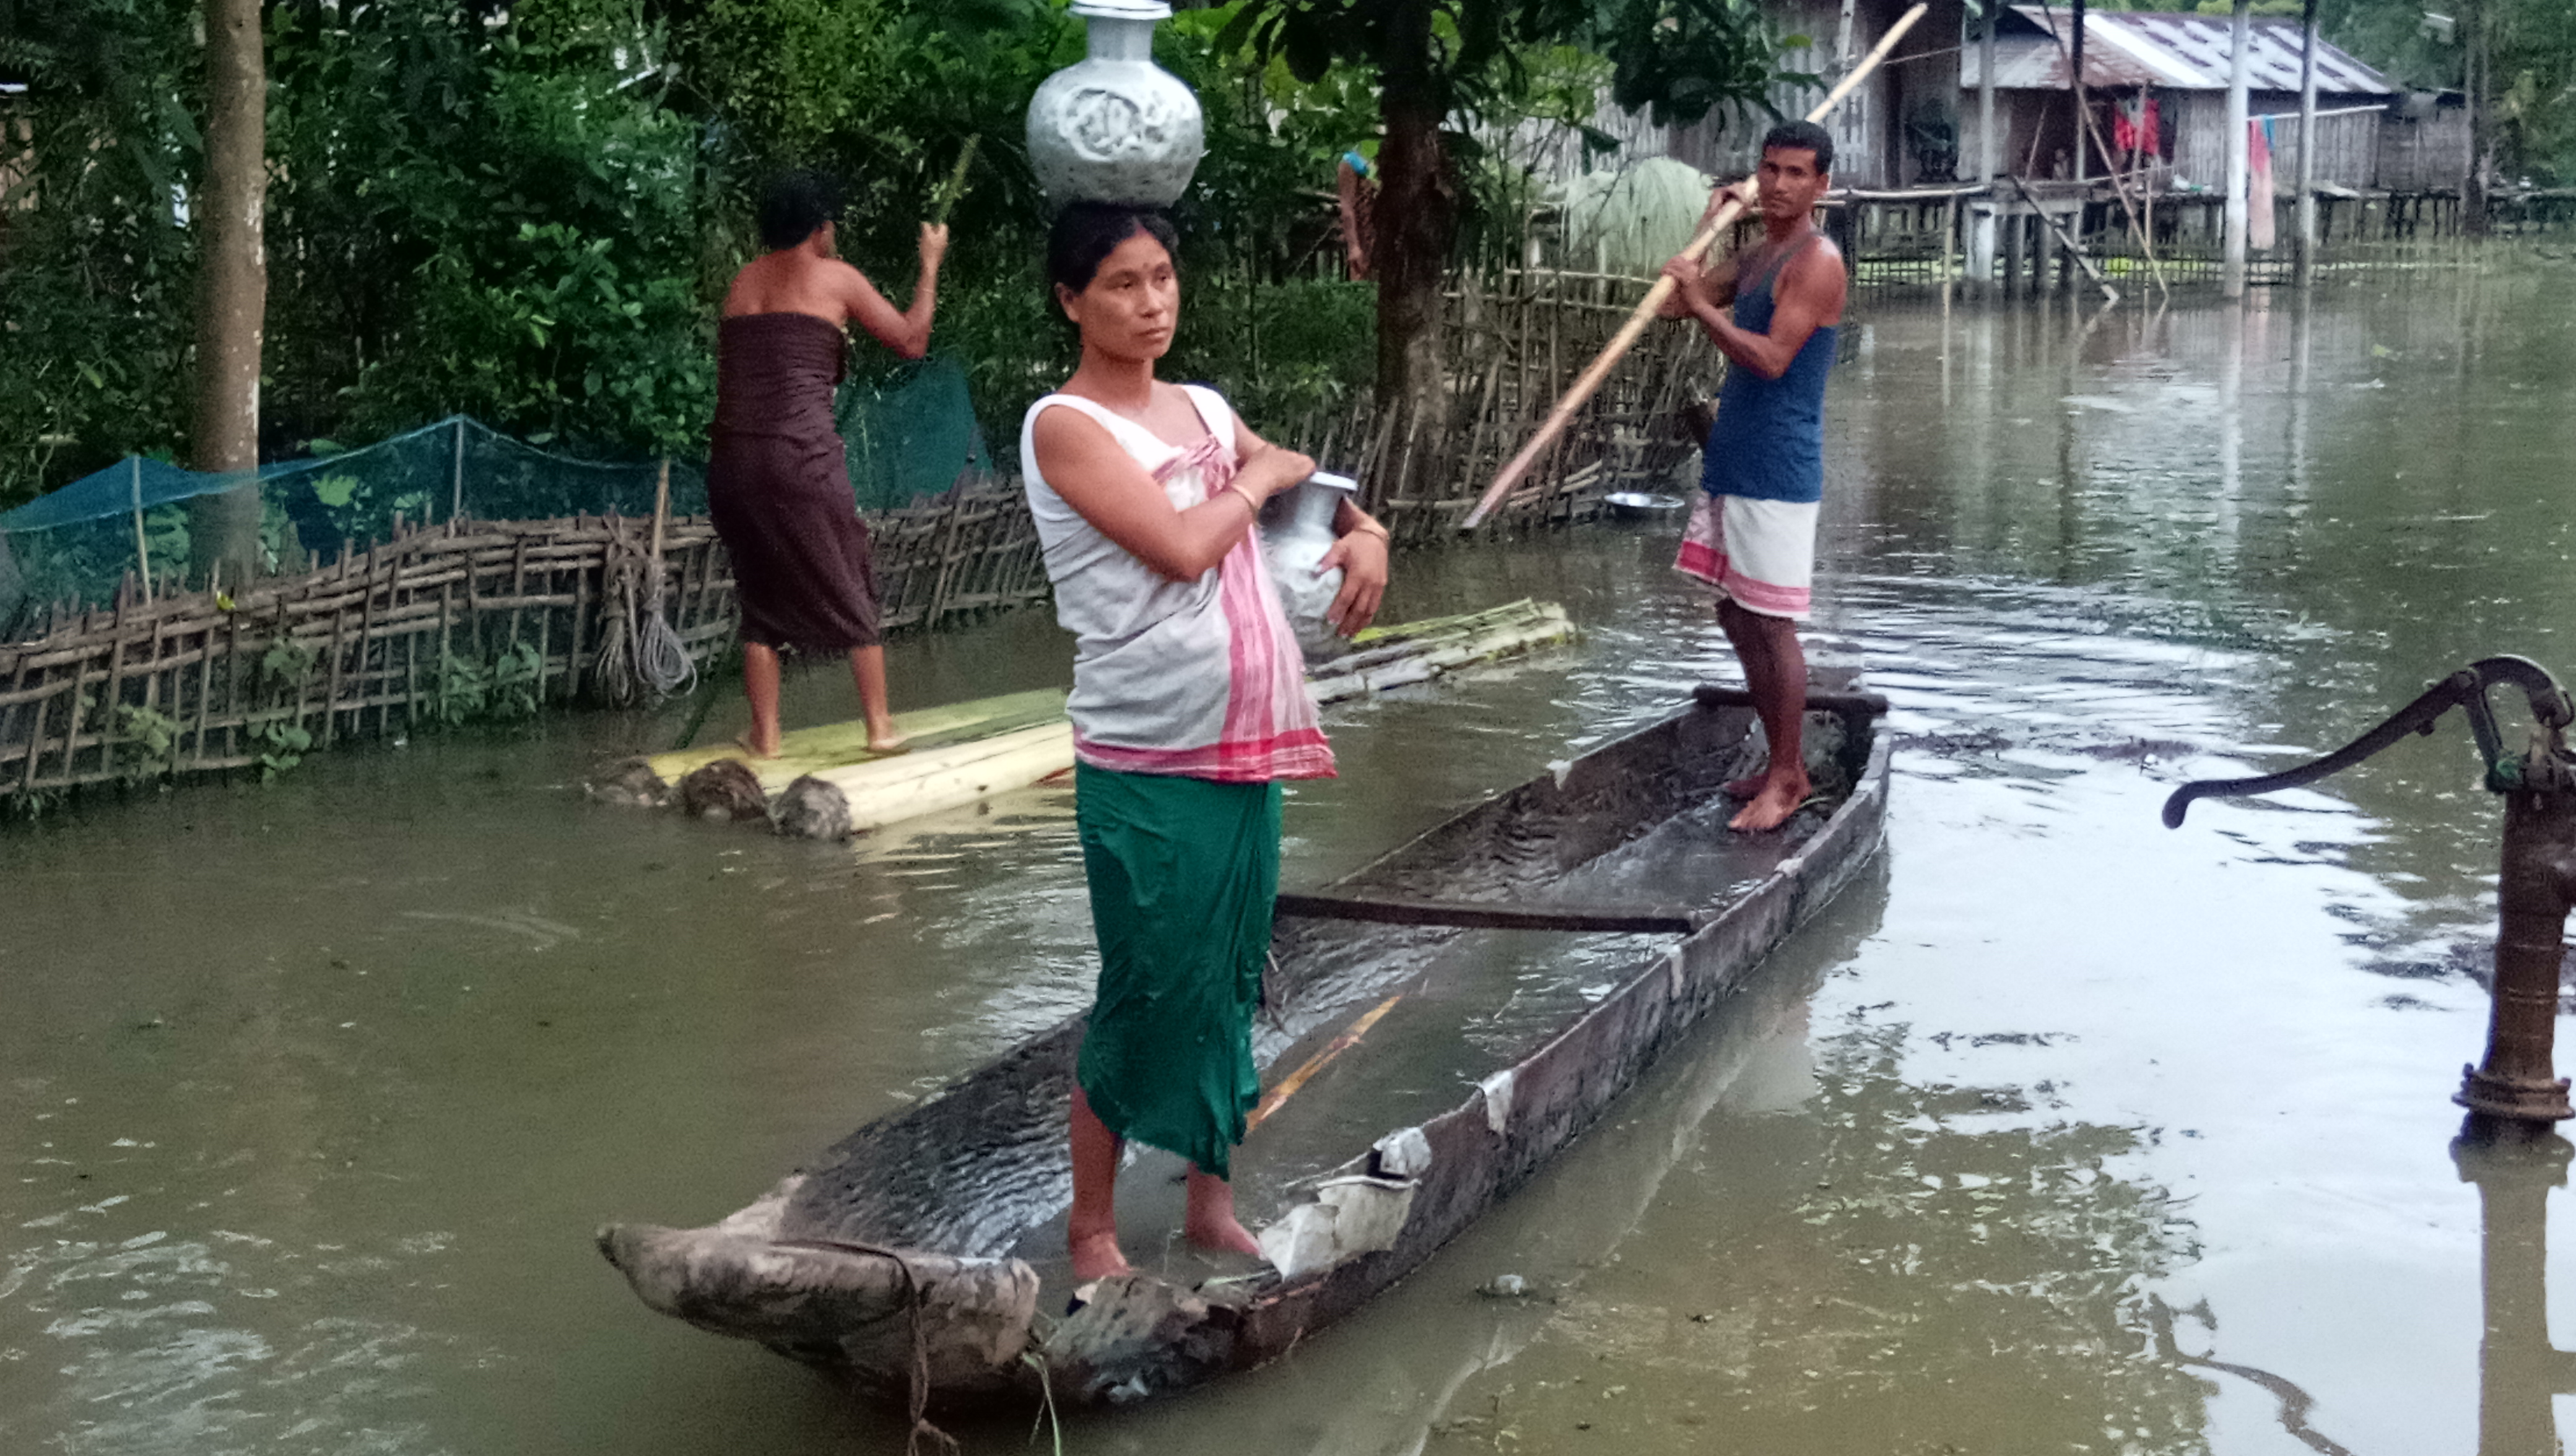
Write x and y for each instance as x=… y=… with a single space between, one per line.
x=1636 y=505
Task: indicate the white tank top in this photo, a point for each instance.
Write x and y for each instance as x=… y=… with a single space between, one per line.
x=1201 y=678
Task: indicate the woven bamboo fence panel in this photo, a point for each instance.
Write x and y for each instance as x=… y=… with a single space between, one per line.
x=1514 y=341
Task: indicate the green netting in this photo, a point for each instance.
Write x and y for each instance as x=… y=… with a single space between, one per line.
x=909 y=436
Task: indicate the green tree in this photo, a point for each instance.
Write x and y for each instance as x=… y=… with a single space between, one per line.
x=95 y=270
x=230 y=214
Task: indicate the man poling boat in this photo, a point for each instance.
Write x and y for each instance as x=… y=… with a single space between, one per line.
x=1773 y=310
x=1189 y=708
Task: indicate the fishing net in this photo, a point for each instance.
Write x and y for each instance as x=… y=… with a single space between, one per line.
x=909 y=435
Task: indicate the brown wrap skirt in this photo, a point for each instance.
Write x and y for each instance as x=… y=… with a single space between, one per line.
x=778 y=486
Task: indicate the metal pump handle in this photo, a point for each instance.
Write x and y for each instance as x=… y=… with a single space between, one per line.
x=2466 y=688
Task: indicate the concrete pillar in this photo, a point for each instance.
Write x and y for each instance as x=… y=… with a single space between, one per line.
x=1981 y=243
x=2240 y=163
x=2307 y=140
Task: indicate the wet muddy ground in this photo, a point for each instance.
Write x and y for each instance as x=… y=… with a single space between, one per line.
x=2058 y=1132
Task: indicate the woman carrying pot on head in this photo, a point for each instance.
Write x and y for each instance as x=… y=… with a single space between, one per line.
x=1189 y=708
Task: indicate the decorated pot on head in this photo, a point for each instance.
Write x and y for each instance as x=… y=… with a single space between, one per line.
x=1296 y=531
x=1115 y=127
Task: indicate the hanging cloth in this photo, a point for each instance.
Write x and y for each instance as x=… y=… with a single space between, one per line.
x=2258 y=182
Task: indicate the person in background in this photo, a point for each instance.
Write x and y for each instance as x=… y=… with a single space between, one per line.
x=778 y=481
x=1189 y=708
x=1357 y=190
x=1772 y=309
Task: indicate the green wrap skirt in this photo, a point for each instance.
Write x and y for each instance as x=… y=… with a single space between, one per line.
x=1182 y=872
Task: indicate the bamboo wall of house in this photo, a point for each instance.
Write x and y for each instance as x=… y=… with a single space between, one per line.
x=2427 y=153
x=2347 y=148
x=1867 y=128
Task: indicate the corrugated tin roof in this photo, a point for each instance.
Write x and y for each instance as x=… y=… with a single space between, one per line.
x=2038 y=63
x=2183 y=51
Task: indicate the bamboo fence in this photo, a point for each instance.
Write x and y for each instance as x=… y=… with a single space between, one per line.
x=1513 y=342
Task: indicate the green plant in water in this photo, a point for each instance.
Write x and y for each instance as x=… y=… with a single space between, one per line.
x=282 y=746
x=502 y=690
x=513 y=676
x=148 y=747
x=464 y=686
x=286 y=664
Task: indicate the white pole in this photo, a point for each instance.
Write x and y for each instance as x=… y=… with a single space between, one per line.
x=456 y=475
x=1990 y=147
x=142 y=551
x=2307 y=140
x=1990 y=150
x=2239 y=163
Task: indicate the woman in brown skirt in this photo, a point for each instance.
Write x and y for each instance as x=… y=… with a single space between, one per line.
x=778 y=484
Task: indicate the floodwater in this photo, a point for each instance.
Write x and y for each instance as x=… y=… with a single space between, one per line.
x=2059 y=1131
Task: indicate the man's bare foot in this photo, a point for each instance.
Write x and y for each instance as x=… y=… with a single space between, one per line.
x=1745 y=787
x=751 y=746
x=1096 y=1256
x=1221 y=1234
x=1771 y=808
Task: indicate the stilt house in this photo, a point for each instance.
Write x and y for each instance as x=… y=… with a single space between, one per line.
x=2159 y=98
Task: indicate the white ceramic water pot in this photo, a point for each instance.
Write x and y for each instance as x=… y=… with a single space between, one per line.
x=1115 y=127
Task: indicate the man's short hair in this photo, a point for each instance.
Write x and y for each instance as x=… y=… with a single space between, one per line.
x=1803 y=136
x=796 y=205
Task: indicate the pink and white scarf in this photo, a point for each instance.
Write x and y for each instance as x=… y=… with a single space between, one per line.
x=1201 y=679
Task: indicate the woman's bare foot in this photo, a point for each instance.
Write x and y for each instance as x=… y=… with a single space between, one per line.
x=1096 y=1256
x=884 y=742
x=1221 y=1236
x=1779 y=798
x=751 y=746
x=1209 y=1221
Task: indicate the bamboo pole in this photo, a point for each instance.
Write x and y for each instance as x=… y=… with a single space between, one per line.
x=1644 y=314
x=2074 y=249
x=142 y=552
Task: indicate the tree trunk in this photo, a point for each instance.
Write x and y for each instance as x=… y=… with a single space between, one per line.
x=232 y=295
x=1417 y=211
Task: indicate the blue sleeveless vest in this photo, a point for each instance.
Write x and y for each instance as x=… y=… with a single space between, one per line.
x=1769 y=439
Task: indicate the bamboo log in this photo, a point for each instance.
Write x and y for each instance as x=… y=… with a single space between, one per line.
x=1644 y=313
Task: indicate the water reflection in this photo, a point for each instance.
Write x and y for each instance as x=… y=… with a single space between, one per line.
x=2520 y=1372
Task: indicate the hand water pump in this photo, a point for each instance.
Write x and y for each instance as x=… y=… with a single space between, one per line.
x=2518 y=1081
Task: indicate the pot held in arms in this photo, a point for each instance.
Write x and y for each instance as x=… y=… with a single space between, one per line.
x=1296 y=531
x=1114 y=127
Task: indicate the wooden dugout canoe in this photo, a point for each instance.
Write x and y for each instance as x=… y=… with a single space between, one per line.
x=896 y=1258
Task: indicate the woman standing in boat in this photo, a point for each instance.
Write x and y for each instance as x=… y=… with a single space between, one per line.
x=1189 y=708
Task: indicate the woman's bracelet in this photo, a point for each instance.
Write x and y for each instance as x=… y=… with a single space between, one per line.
x=1237 y=488
x=1367 y=527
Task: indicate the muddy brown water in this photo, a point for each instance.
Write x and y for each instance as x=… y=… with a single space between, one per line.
x=2058 y=1132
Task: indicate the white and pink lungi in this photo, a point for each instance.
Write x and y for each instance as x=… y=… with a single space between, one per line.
x=1760 y=553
